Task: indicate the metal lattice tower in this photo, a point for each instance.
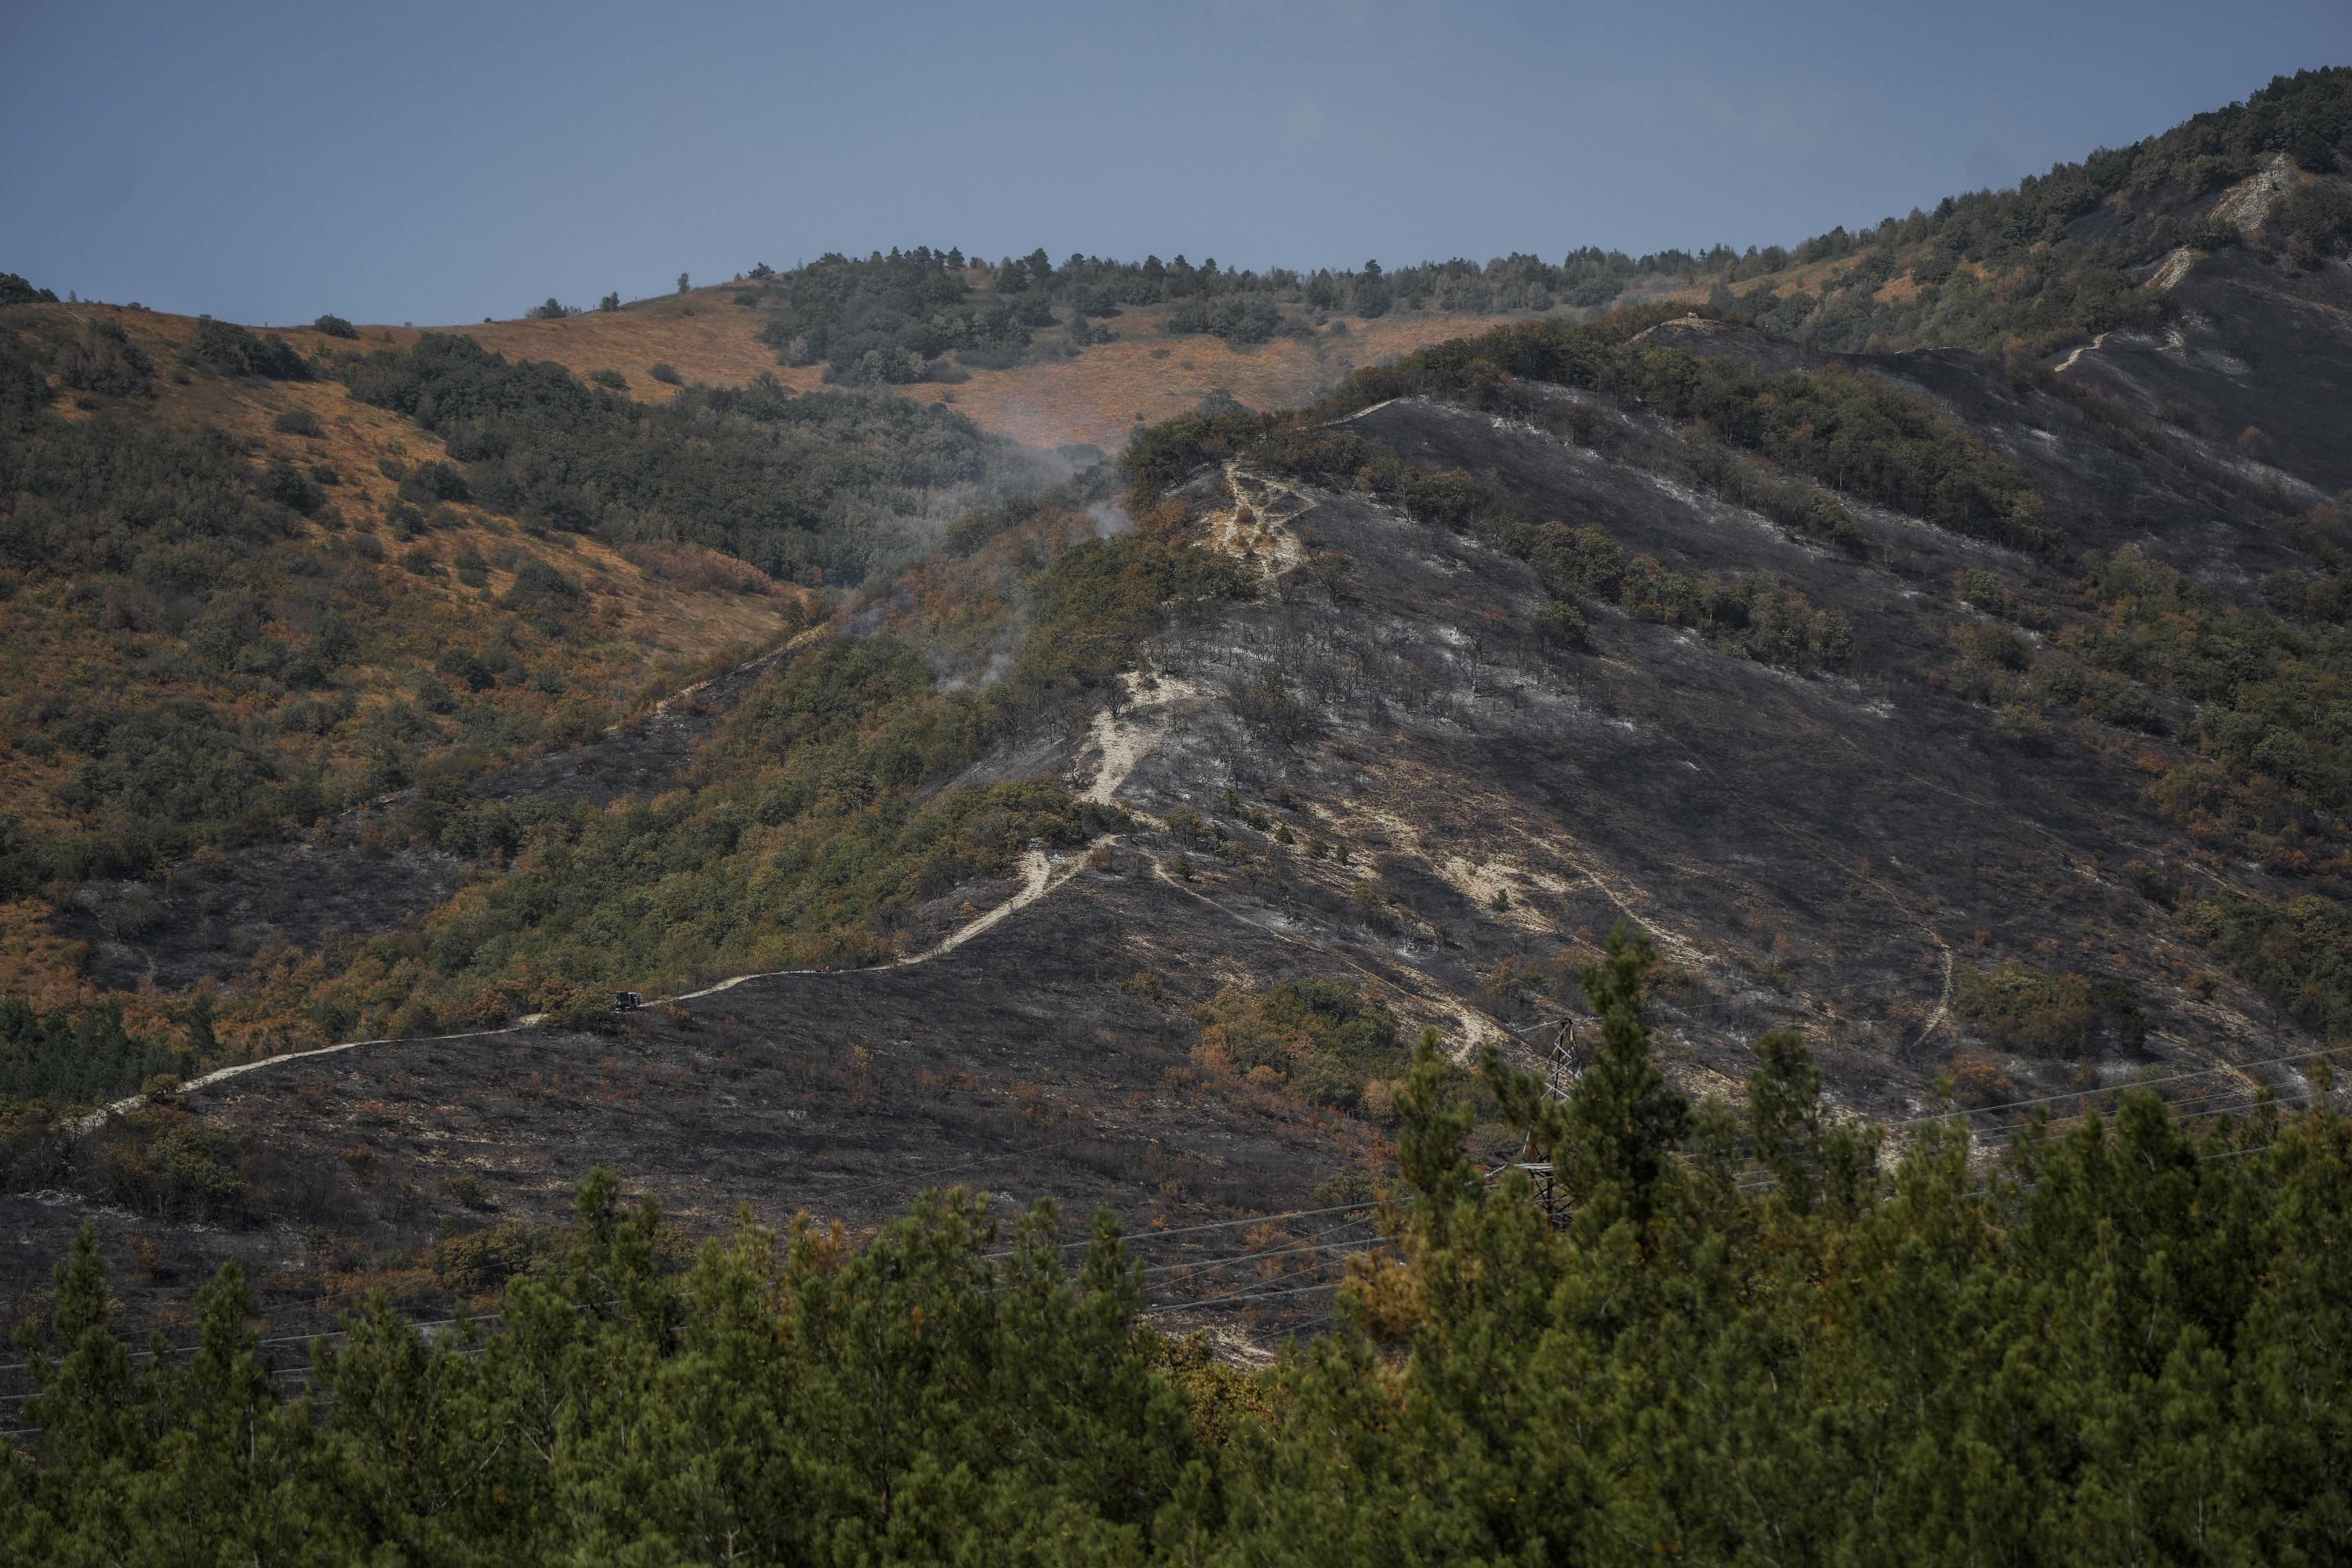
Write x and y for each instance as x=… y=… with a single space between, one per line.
x=1565 y=1066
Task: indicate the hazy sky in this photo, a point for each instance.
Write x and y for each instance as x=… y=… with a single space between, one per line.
x=438 y=163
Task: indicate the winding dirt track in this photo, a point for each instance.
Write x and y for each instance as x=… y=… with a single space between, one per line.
x=1119 y=740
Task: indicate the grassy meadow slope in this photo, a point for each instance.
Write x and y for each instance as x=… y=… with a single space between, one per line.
x=1096 y=397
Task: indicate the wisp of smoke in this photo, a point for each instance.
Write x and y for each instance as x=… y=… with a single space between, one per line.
x=1109 y=518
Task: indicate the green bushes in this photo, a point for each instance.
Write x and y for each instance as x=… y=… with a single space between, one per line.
x=2273 y=700
x=298 y=422
x=666 y=374
x=232 y=351
x=335 y=327
x=106 y=360
x=168 y=775
x=2297 y=952
x=2038 y=1013
x=1167 y=453
x=15 y=290
x=883 y=318
x=540 y=591
x=1236 y=318
x=66 y=1058
x=163 y=1164
x=434 y=483
x=291 y=488
x=1751 y=615
x=1100 y=599
x=1321 y=1039
x=2316 y=222
x=1849 y=431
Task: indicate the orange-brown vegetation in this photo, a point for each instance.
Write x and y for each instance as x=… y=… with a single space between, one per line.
x=1099 y=397
x=704 y=335
x=1096 y=398
x=676 y=605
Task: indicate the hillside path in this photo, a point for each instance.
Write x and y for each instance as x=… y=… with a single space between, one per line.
x=1119 y=740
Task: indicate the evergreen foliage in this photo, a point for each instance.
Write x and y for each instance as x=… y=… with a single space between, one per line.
x=71 y=1058
x=2122 y=1343
x=15 y=290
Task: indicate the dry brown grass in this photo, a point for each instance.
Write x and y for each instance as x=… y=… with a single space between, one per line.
x=681 y=614
x=1099 y=396
x=704 y=335
x=1094 y=398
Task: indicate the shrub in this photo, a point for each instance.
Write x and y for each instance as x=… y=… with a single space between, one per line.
x=432 y=482
x=666 y=373
x=609 y=377
x=335 y=327
x=287 y=485
x=107 y=361
x=232 y=351
x=1563 y=623
x=74 y=1058
x=481 y=1260
x=1321 y=1037
x=2039 y=1012
x=15 y=290
x=298 y=422
x=540 y=588
x=458 y=664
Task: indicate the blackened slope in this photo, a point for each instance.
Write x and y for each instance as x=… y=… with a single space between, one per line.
x=2256 y=364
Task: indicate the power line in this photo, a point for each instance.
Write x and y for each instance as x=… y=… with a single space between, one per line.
x=1194 y=1229
x=1202 y=1266
x=1237 y=1301
x=2114 y=1088
x=284 y=1339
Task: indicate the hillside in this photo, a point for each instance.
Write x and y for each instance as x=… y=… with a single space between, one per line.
x=1094 y=398
x=1961 y=688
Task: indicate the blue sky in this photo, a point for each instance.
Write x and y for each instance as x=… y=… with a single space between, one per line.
x=440 y=162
